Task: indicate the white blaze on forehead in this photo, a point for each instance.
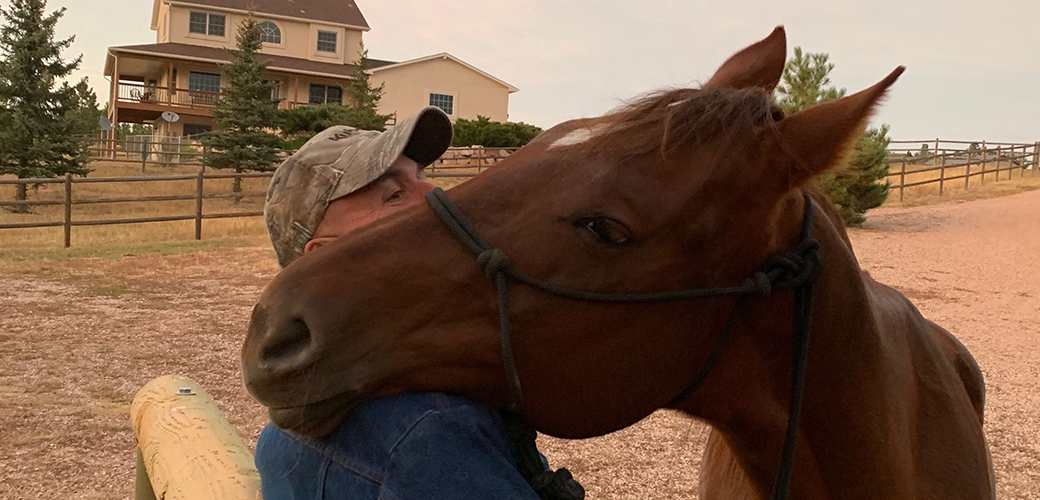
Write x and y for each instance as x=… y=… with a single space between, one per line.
x=577 y=136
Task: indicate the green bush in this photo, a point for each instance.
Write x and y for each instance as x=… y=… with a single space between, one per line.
x=484 y=132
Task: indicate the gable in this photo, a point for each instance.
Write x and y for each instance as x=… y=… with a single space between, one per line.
x=442 y=60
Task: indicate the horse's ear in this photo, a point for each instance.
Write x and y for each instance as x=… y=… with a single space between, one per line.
x=815 y=139
x=759 y=65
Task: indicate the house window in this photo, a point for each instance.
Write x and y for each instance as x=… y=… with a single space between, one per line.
x=274 y=90
x=326 y=41
x=197 y=23
x=326 y=94
x=206 y=82
x=192 y=130
x=207 y=24
x=270 y=33
x=444 y=101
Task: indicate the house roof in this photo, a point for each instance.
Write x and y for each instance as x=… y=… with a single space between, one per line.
x=222 y=56
x=342 y=12
x=443 y=55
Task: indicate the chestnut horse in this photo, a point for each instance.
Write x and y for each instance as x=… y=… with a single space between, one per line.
x=688 y=188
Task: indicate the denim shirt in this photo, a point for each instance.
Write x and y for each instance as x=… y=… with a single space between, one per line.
x=426 y=446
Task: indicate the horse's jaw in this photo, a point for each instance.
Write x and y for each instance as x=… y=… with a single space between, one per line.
x=746 y=400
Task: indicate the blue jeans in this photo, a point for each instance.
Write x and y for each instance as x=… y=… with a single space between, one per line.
x=425 y=446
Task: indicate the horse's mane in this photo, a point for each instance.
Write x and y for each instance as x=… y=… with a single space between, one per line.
x=665 y=120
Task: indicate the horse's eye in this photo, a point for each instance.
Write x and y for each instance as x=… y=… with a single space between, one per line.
x=607 y=230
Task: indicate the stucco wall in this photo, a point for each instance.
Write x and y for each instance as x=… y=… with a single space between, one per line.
x=408 y=90
x=299 y=39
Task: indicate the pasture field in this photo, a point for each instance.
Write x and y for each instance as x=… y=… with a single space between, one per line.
x=82 y=330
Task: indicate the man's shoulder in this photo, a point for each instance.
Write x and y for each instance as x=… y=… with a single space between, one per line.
x=375 y=429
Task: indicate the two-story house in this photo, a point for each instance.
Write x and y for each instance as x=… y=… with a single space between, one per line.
x=310 y=45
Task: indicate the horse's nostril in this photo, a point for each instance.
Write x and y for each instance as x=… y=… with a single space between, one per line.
x=288 y=341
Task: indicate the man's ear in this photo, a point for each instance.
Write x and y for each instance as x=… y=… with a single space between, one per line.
x=314 y=244
x=814 y=140
x=760 y=65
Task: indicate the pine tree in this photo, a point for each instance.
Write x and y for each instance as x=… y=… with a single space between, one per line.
x=244 y=113
x=37 y=130
x=86 y=115
x=362 y=99
x=861 y=184
x=806 y=82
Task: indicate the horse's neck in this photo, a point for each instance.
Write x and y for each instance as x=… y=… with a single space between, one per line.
x=849 y=386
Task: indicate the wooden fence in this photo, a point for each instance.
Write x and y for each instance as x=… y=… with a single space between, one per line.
x=68 y=202
x=988 y=161
x=959 y=155
x=456 y=163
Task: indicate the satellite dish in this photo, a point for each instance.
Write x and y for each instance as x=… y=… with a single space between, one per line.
x=105 y=123
x=170 y=116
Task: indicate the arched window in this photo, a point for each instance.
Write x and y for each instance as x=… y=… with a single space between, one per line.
x=270 y=33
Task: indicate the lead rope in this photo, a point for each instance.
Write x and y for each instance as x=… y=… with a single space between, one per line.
x=796 y=271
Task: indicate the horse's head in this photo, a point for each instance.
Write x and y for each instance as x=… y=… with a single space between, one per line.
x=689 y=188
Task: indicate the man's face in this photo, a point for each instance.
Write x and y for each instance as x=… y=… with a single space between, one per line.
x=402 y=186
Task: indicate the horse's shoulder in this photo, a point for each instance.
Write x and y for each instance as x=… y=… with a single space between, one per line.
x=895 y=310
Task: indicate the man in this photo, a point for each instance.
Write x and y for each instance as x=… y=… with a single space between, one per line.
x=414 y=446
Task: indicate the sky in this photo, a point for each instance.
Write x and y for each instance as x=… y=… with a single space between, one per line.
x=973 y=71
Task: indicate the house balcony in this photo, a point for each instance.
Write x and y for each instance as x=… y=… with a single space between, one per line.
x=144 y=103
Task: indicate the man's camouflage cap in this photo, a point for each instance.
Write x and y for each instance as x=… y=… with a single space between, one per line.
x=337 y=162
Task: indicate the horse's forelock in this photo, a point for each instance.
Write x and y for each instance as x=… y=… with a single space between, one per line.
x=662 y=122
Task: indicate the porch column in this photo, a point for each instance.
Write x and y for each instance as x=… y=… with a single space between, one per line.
x=113 y=103
x=171 y=85
x=296 y=91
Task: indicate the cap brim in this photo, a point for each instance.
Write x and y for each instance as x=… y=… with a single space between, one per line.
x=422 y=137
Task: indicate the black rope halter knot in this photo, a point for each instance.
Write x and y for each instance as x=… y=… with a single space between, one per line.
x=789 y=270
x=493 y=261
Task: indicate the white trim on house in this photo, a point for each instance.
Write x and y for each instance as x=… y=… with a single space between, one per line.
x=265 y=14
x=445 y=55
x=218 y=62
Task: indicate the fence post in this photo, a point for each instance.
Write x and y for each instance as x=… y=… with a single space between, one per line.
x=902 y=178
x=198 y=204
x=967 y=171
x=1022 y=163
x=1036 y=158
x=942 y=172
x=146 y=149
x=480 y=159
x=68 y=210
x=982 y=178
x=998 y=164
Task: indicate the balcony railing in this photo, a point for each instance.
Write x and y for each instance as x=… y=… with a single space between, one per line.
x=183 y=98
x=162 y=96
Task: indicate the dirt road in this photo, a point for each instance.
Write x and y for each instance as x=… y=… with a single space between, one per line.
x=78 y=338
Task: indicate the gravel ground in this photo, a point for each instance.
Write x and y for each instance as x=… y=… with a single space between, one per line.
x=78 y=338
